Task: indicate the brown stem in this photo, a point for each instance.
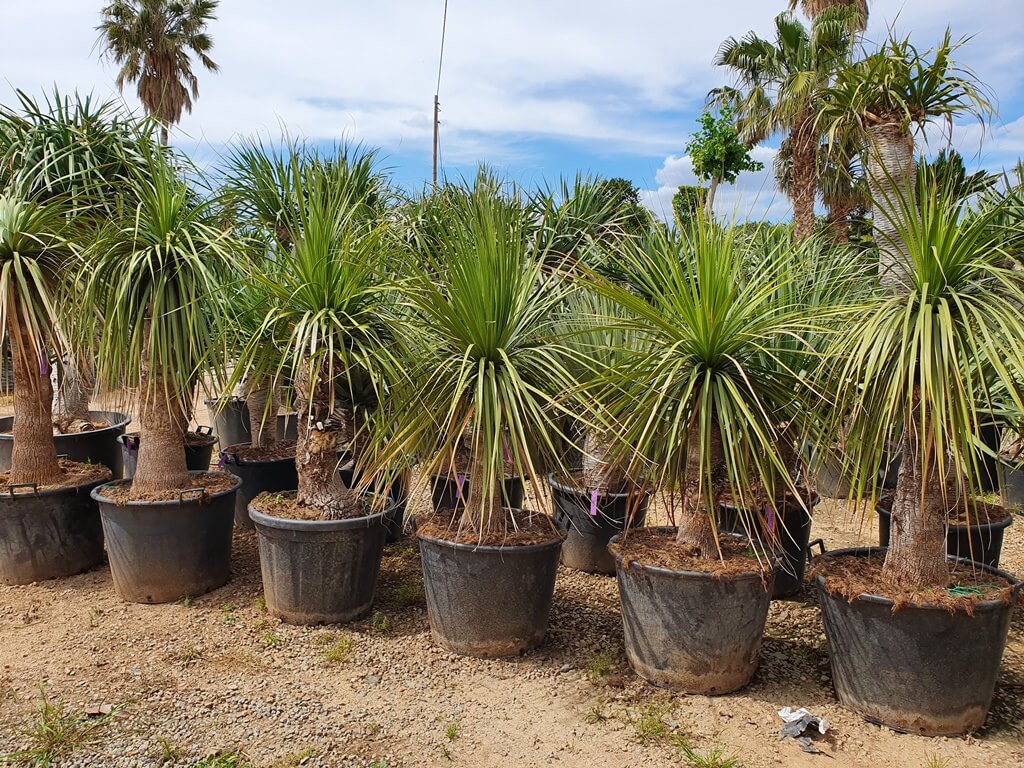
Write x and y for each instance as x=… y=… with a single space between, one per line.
x=484 y=507
x=839 y=223
x=74 y=390
x=696 y=529
x=917 y=540
x=805 y=143
x=33 y=455
x=259 y=399
x=161 y=464
x=316 y=455
x=599 y=470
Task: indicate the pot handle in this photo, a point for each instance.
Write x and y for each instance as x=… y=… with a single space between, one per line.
x=65 y=456
x=191 y=494
x=199 y=430
x=33 y=486
x=819 y=543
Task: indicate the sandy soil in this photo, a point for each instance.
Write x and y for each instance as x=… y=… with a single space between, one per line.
x=218 y=674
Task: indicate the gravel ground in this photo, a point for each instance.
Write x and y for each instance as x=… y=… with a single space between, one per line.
x=218 y=674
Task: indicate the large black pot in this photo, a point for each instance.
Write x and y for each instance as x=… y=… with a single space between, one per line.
x=231 y=422
x=258 y=476
x=488 y=601
x=198 y=453
x=696 y=632
x=590 y=520
x=394 y=519
x=48 y=534
x=1011 y=484
x=98 y=446
x=919 y=670
x=451 y=492
x=982 y=543
x=161 y=551
x=319 y=571
x=792 y=527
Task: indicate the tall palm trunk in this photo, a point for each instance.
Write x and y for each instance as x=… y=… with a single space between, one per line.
x=316 y=454
x=891 y=173
x=806 y=142
x=259 y=399
x=696 y=529
x=917 y=541
x=33 y=456
x=839 y=223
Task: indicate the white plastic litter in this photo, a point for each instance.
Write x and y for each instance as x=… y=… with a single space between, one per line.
x=797 y=724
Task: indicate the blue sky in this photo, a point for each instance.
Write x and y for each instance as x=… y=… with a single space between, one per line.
x=535 y=88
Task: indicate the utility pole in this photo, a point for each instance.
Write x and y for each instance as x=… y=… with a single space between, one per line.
x=437 y=92
x=437 y=123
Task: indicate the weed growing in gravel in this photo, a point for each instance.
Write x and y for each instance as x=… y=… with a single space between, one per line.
x=95 y=613
x=228 y=615
x=596 y=714
x=380 y=623
x=271 y=640
x=934 y=761
x=713 y=759
x=338 y=650
x=452 y=731
x=379 y=764
x=185 y=600
x=169 y=752
x=55 y=733
x=190 y=654
x=261 y=604
x=649 y=722
x=408 y=594
x=297 y=759
x=233 y=759
x=600 y=664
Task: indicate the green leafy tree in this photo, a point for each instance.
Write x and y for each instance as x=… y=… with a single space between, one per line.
x=814 y=8
x=717 y=153
x=687 y=203
x=634 y=218
x=153 y=42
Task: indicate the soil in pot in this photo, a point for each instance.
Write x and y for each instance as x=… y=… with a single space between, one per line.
x=317 y=571
x=98 y=445
x=172 y=545
x=788 y=529
x=589 y=518
x=261 y=470
x=489 y=596
x=923 y=663
x=691 y=624
x=49 y=532
x=976 y=536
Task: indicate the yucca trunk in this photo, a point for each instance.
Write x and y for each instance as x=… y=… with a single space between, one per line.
x=805 y=141
x=33 y=456
x=316 y=454
x=74 y=390
x=839 y=223
x=599 y=470
x=891 y=173
x=161 y=463
x=696 y=528
x=917 y=540
x=259 y=399
x=484 y=508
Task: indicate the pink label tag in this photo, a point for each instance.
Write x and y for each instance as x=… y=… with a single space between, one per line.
x=593 y=503
x=771 y=520
x=458 y=486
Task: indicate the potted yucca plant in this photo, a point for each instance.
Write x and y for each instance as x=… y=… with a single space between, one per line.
x=692 y=401
x=157 y=275
x=479 y=400
x=919 y=364
x=329 y=299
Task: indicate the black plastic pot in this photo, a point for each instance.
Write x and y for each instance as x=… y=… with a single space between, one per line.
x=488 y=601
x=1011 y=484
x=590 y=520
x=982 y=543
x=98 y=446
x=919 y=670
x=319 y=571
x=162 y=551
x=793 y=529
x=48 y=534
x=829 y=479
x=394 y=519
x=692 y=631
x=257 y=477
x=230 y=420
x=451 y=492
x=198 y=453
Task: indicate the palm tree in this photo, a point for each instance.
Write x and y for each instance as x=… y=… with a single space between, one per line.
x=153 y=42
x=814 y=8
x=891 y=94
x=778 y=84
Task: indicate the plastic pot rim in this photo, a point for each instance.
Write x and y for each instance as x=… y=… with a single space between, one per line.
x=584 y=493
x=97 y=493
x=815 y=500
x=67 y=489
x=869 y=597
x=495 y=548
x=287 y=524
x=671 y=572
x=121 y=420
x=996 y=526
x=229 y=458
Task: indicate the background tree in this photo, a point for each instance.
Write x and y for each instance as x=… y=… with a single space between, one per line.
x=624 y=196
x=778 y=85
x=813 y=8
x=687 y=204
x=153 y=42
x=948 y=174
x=717 y=153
